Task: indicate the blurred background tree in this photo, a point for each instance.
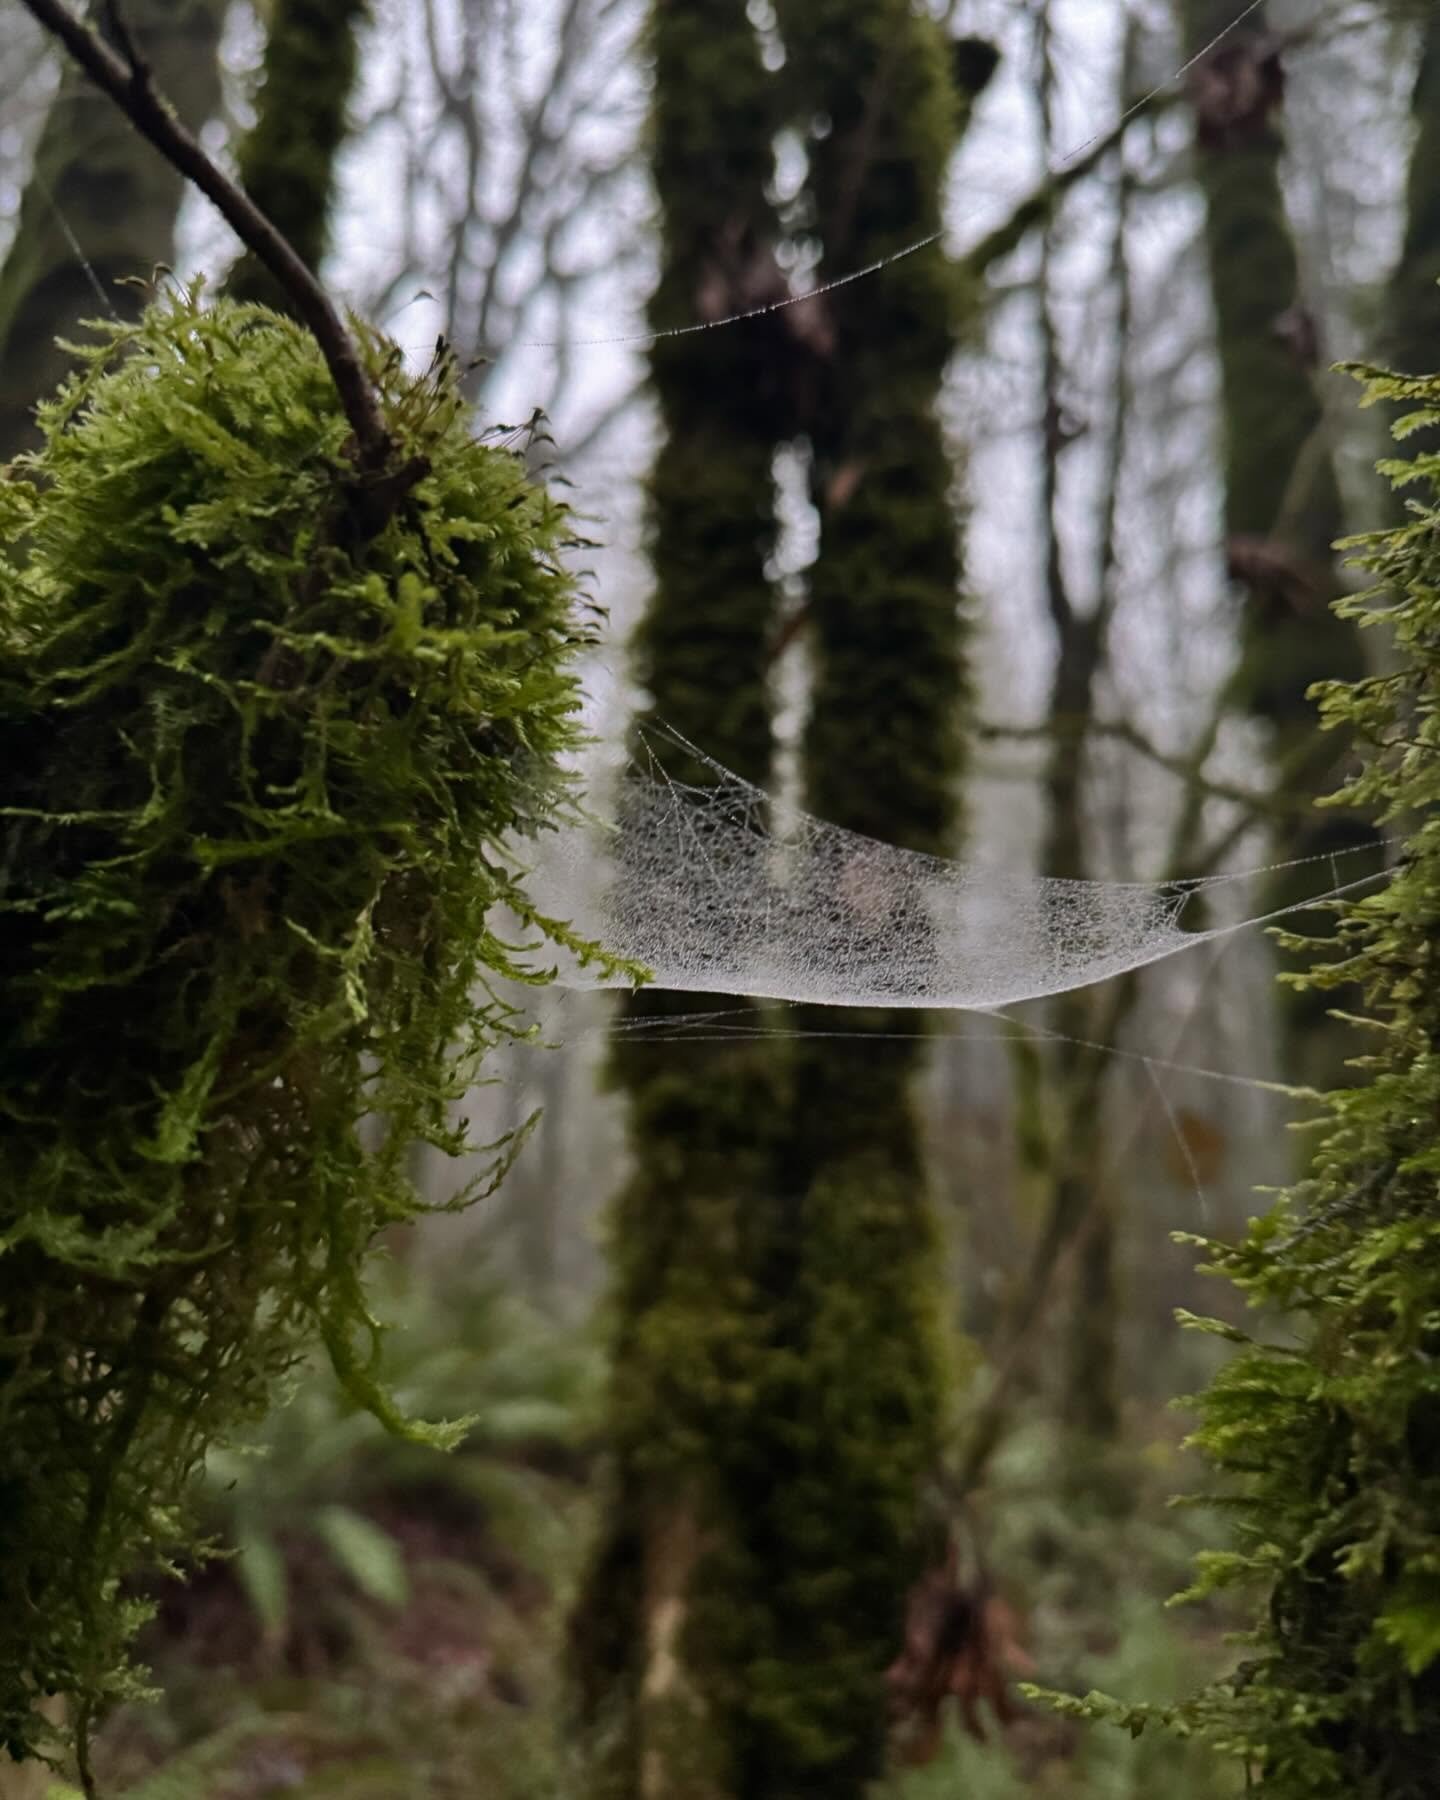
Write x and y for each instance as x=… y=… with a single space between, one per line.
x=99 y=207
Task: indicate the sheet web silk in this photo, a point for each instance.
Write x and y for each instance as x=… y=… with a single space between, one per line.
x=720 y=889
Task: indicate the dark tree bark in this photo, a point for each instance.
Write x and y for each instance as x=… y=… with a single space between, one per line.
x=1412 y=325
x=98 y=196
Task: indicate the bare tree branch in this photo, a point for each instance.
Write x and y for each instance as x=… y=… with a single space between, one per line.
x=1183 y=767
x=1039 y=205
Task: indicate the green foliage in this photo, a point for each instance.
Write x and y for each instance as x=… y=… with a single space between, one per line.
x=359 y=1695
x=261 y=767
x=1084 y=1580
x=317 y=1462
x=1332 y=1440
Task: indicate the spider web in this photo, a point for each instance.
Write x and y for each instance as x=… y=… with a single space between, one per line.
x=720 y=889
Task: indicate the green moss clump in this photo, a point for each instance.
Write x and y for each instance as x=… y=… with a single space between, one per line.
x=1330 y=1436
x=1336 y=1439
x=260 y=768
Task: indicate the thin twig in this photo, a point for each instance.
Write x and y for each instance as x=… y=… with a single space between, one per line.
x=1187 y=768
x=127 y=80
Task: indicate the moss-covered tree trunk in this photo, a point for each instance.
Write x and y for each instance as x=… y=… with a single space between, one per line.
x=287 y=162
x=1412 y=324
x=856 y=1401
x=1282 y=502
x=100 y=206
x=780 y=1374
x=664 y=1635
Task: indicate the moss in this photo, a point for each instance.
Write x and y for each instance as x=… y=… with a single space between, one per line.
x=851 y=1422
x=260 y=768
x=882 y=750
x=688 y=1309
x=780 y=1368
x=1329 y=1439
x=287 y=162
x=861 y=1376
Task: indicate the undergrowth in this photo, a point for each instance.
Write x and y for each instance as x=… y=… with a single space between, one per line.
x=413 y=1654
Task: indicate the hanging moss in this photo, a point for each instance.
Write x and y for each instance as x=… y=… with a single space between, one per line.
x=260 y=767
x=287 y=161
x=97 y=184
x=1329 y=1432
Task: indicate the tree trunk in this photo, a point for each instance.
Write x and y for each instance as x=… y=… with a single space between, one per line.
x=1282 y=503
x=670 y=1621
x=858 y=1403
x=100 y=207
x=1412 y=326
x=287 y=162
x=780 y=1377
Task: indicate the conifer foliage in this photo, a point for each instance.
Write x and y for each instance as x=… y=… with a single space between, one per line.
x=260 y=762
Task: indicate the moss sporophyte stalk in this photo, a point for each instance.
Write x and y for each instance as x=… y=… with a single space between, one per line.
x=261 y=766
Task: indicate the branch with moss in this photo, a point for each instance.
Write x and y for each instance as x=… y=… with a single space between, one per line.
x=1329 y=1443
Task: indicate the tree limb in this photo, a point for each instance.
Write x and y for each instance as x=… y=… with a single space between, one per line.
x=1039 y=204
